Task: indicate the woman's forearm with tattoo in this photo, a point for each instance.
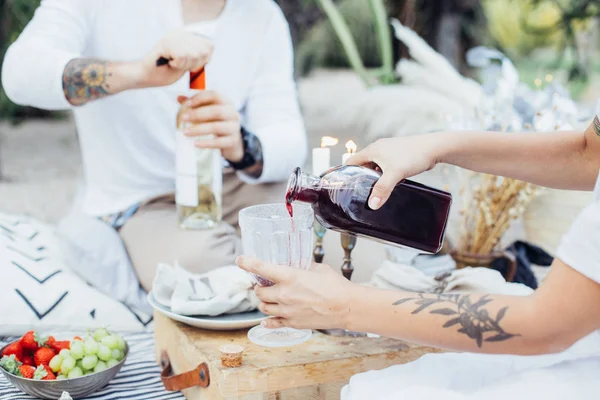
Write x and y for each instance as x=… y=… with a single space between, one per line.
x=465 y=314
x=461 y=322
x=550 y=320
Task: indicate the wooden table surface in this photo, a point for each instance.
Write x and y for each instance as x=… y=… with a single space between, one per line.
x=316 y=369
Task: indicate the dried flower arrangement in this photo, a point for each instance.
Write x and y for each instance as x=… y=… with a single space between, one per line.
x=490 y=205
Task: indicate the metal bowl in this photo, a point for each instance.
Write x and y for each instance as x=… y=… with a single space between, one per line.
x=78 y=388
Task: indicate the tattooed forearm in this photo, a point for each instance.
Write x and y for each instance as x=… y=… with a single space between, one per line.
x=86 y=79
x=473 y=319
x=597 y=126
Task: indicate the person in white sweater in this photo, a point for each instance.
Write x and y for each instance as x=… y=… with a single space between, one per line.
x=98 y=58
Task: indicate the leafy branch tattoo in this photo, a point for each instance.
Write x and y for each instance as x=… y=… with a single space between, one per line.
x=85 y=79
x=474 y=320
x=597 y=126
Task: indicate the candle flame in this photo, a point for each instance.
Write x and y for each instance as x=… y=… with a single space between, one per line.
x=328 y=141
x=351 y=147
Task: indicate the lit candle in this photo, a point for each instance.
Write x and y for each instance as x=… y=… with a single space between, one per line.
x=351 y=148
x=321 y=161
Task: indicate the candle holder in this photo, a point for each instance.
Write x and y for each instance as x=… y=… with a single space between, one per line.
x=319 y=251
x=348 y=244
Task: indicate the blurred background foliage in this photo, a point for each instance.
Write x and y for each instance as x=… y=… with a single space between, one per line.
x=549 y=29
x=14 y=15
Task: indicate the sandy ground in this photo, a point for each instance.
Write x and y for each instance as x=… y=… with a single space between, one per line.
x=41 y=166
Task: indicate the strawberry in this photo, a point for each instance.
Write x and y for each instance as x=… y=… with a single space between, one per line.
x=13 y=348
x=50 y=375
x=32 y=341
x=26 y=371
x=59 y=345
x=43 y=356
x=28 y=360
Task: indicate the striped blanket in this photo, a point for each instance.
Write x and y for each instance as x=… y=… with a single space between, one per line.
x=138 y=380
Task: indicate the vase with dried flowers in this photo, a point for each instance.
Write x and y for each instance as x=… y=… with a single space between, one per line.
x=490 y=205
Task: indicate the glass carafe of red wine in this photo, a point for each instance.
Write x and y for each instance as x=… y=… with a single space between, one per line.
x=415 y=215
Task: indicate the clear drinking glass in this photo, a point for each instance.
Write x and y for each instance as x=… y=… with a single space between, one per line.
x=271 y=235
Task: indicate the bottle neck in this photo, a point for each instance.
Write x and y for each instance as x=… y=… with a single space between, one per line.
x=198 y=80
x=303 y=187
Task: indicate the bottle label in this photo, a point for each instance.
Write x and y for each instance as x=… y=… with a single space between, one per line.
x=196 y=167
x=185 y=159
x=186 y=191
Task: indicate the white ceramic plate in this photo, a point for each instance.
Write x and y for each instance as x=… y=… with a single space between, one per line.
x=226 y=322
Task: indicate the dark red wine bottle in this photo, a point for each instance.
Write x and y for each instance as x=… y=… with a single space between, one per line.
x=415 y=215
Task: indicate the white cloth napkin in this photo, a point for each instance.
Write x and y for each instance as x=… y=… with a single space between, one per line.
x=225 y=290
x=398 y=276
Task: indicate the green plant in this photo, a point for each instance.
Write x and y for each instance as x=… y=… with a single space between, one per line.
x=14 y=15
x=320 y=46
x=573 y=15
x=385 y=74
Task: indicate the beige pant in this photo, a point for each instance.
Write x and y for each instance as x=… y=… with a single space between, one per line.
x=152 y=235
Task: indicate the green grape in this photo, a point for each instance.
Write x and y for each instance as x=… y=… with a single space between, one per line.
x=110 y=341
x=101 y=366
x=100 y=333
x=67 y=365
x=104 y=353
x=116 y=354
x=77 y=350
x=55 y=363
x=61 y=377
x=64 y=353
x=89 y=362
x=75 y=373
x=88 y=372
x=111 y=363
x=91 y=347
x=120 y=342
x=79 y=364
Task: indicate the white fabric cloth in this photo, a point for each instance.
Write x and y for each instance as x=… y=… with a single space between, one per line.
x=225 y=290
x=95 y=252
x=483 y=280
x=40 y=293
x=580 y=247
x=128 y=139
x=571 y=374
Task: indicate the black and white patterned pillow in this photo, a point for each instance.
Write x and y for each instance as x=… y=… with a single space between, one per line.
x=37 y=291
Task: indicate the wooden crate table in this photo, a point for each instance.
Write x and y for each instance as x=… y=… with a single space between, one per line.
x=317 y=369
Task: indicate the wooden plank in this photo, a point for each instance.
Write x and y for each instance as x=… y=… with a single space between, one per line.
x=316 y=369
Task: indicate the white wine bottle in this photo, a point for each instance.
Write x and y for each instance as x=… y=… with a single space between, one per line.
x=199 y=183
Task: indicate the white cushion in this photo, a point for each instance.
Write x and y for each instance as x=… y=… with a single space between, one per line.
x=39 y=292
